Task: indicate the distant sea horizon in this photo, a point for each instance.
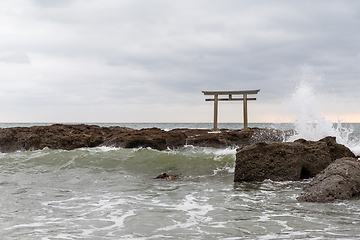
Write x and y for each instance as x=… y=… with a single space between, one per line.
x=169 y=125
x=161 y=125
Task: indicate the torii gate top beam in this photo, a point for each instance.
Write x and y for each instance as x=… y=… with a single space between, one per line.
x=230 y=93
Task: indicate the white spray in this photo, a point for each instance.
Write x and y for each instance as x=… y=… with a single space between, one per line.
x=307 y=105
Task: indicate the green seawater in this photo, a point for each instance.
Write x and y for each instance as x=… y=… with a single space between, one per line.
x=111 y=193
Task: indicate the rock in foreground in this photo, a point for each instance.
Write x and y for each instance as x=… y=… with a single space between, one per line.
x=339 y=181
x=288 y=161
x=67 y=137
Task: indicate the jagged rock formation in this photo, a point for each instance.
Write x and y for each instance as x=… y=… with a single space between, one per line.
x=339 y=181
x=63 y=136
x=287 y=161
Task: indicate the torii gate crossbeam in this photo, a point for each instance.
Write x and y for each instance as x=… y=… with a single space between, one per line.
x=216 y=99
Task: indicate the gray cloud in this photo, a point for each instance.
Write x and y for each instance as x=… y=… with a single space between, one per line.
x=51 y=3
x=15 y=57
x=163 y=53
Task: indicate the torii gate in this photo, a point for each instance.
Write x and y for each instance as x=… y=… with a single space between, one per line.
x=230 y=93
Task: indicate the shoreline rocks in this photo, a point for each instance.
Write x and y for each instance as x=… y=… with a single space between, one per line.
x=339 y=181
x=261 y=154
x=287 y=161
x=68 y=137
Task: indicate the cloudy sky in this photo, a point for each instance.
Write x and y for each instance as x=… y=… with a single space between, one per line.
x=148 y=61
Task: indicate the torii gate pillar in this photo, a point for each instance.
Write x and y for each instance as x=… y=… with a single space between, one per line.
x=216 y=99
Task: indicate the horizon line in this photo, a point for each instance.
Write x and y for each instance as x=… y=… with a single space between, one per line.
x=155 y=122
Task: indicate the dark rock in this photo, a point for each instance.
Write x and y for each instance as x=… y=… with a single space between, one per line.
x=340 y=180
x=67 y=137
x=288 y=161
x=232 y=138
x=166 y=176
x=57 y=136
x=336 y=150
x=152 y=137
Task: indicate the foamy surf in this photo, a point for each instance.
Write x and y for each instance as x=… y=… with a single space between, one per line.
x=306 y=103
x=107 y=193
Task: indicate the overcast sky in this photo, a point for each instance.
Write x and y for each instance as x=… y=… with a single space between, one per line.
x=149 y=60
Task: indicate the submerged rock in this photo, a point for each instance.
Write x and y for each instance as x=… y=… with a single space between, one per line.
x=340 y=180
x=166 y=176
x=67 y=137
x=287 y=161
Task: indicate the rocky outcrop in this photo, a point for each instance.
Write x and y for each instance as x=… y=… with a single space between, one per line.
x=57 y=136
x=233 y=138
x=67 y=137
x=154 y=138
x=339 y=181
x=288 y=161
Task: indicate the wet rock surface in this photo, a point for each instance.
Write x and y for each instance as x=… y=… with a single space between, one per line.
x=57 y=136
x=232 y=138
x=288 y=161
x=166 y=176
x=339 y=181
x=67 y=137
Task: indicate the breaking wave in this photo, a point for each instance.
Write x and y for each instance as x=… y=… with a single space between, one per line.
x=306 y=105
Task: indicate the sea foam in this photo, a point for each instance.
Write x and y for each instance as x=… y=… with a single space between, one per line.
x=307 y=104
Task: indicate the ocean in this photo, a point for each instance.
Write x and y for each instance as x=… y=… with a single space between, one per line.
x=111 y=193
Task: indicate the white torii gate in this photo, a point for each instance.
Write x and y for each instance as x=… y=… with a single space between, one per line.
x=230 y=93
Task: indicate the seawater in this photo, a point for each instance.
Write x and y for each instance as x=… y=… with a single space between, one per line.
x=111 y=193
